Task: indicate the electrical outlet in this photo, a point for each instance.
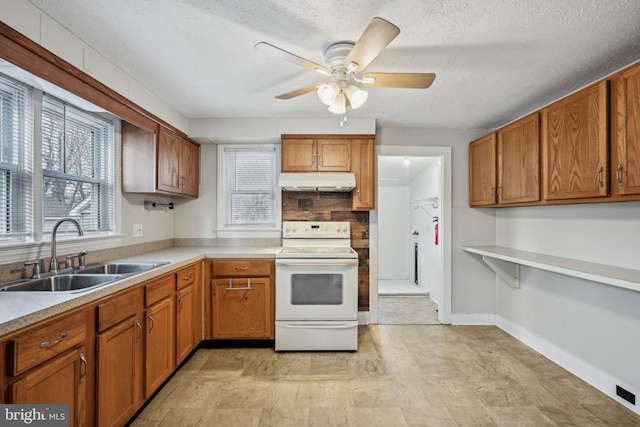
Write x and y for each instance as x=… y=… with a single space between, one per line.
x=137 y=230
x=626 y=395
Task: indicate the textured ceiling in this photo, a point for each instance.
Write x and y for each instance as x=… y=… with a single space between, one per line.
x=495 y=60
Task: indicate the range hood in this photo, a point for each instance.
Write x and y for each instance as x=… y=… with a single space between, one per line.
x=317 y=181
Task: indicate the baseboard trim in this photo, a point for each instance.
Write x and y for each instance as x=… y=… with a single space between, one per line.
x=363 y=318
x=592 y=375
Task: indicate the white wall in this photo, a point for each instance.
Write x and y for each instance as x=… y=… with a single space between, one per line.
x=394 y=232
x=425 y=185
x=39 y=27
x=584 y=322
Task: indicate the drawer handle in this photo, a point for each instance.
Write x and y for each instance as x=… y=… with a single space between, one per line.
x=241 y=268
x=186 y=277
x=86 y=366
x=231 y=288
x=50 y=343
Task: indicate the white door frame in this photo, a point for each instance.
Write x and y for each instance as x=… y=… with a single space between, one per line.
x=444 y=312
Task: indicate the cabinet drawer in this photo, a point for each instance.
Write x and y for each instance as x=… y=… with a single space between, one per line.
x=240 y=268
x=118 y=309
x=159 y=289
x=186 y=276
x=43 y=342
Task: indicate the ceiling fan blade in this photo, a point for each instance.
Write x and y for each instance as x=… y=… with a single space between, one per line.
x=290 y=57
x=401 y=80
x=299 y=92
x=375 y=38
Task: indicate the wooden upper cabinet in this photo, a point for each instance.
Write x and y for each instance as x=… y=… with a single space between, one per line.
x=334 y=155
x=363 y=166
x=300 y=154
x=519 y=161
x=159 y=161
x=625 y=132
x=482 y=171
x=575 y=146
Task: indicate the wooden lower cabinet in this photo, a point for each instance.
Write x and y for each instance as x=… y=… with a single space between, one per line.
x=159 y=345
x=187 y=322
x=120 y=371
x=61 y=380
x=242 y=308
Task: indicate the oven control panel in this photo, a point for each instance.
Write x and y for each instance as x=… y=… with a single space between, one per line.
x=316 y=229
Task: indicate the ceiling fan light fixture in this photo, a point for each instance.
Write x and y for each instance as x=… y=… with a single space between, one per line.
x=339 y=105
x=328 y=93
x=357 y=97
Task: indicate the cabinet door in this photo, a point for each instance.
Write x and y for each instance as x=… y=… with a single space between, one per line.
x=298 y=155
x=242 y=308
x=189 y=168
x=334 y=155
x=187 y=322
x=59 y=381
x=519 y=161
x=625 y=135
x=574 y=145
x=482 y=171
x=363 y=166
x=169 y=146
x=159 y=345
x=119 y=376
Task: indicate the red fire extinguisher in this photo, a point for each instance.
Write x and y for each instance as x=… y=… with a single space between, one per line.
x=436 y=228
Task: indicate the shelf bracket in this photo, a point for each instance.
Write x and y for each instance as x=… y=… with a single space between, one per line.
x=508 y=271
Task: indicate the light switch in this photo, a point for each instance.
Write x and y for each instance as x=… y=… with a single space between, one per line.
x=137 y=230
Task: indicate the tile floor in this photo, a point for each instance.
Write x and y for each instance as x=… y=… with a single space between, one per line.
x=407 y=310
x=400 y=376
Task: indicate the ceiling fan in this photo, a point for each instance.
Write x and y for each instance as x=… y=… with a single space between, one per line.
x=345 y=62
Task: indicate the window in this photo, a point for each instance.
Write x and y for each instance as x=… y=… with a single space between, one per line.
x=249 y=198
x=16 y=142
x=77 y=167
x=56 y=161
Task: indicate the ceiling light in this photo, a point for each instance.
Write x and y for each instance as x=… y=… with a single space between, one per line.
x=339 y=105
x=406 y=161
x=357 y=97
x=328 y=92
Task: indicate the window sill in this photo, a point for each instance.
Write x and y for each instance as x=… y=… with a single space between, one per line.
x=65 y=245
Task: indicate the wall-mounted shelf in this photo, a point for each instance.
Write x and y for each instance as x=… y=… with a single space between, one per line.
x=614 y=276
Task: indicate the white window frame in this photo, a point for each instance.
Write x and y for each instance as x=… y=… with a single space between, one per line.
x=224 y=229
x=38 y=246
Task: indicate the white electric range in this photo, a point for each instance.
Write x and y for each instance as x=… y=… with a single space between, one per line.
x=316 y=287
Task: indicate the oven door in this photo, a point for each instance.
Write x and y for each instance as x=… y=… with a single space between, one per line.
x=317 y=289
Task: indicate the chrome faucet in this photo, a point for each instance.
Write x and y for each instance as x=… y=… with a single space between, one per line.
x=53 y=266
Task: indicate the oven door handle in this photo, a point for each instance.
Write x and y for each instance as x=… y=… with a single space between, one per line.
x=314 y=326
x=316 y=262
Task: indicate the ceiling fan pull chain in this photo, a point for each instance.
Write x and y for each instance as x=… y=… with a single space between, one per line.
x=343 y=121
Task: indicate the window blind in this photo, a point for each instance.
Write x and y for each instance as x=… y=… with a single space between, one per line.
x=77 y=167
x=16 y=161
x=251 y=186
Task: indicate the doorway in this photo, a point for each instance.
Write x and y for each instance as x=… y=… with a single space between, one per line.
x=412 y=284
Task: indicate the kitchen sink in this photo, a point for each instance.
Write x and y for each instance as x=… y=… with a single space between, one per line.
x=61 y=283
x=119 y=268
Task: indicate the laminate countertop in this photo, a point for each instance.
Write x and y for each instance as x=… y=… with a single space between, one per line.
x=20 y=309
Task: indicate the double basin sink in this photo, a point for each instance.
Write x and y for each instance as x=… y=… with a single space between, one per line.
x=81 y=279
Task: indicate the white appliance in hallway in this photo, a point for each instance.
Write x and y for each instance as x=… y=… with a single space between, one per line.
x=316 y=287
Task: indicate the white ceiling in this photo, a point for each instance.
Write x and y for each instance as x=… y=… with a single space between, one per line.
x=495 y=60
x=393 y=171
